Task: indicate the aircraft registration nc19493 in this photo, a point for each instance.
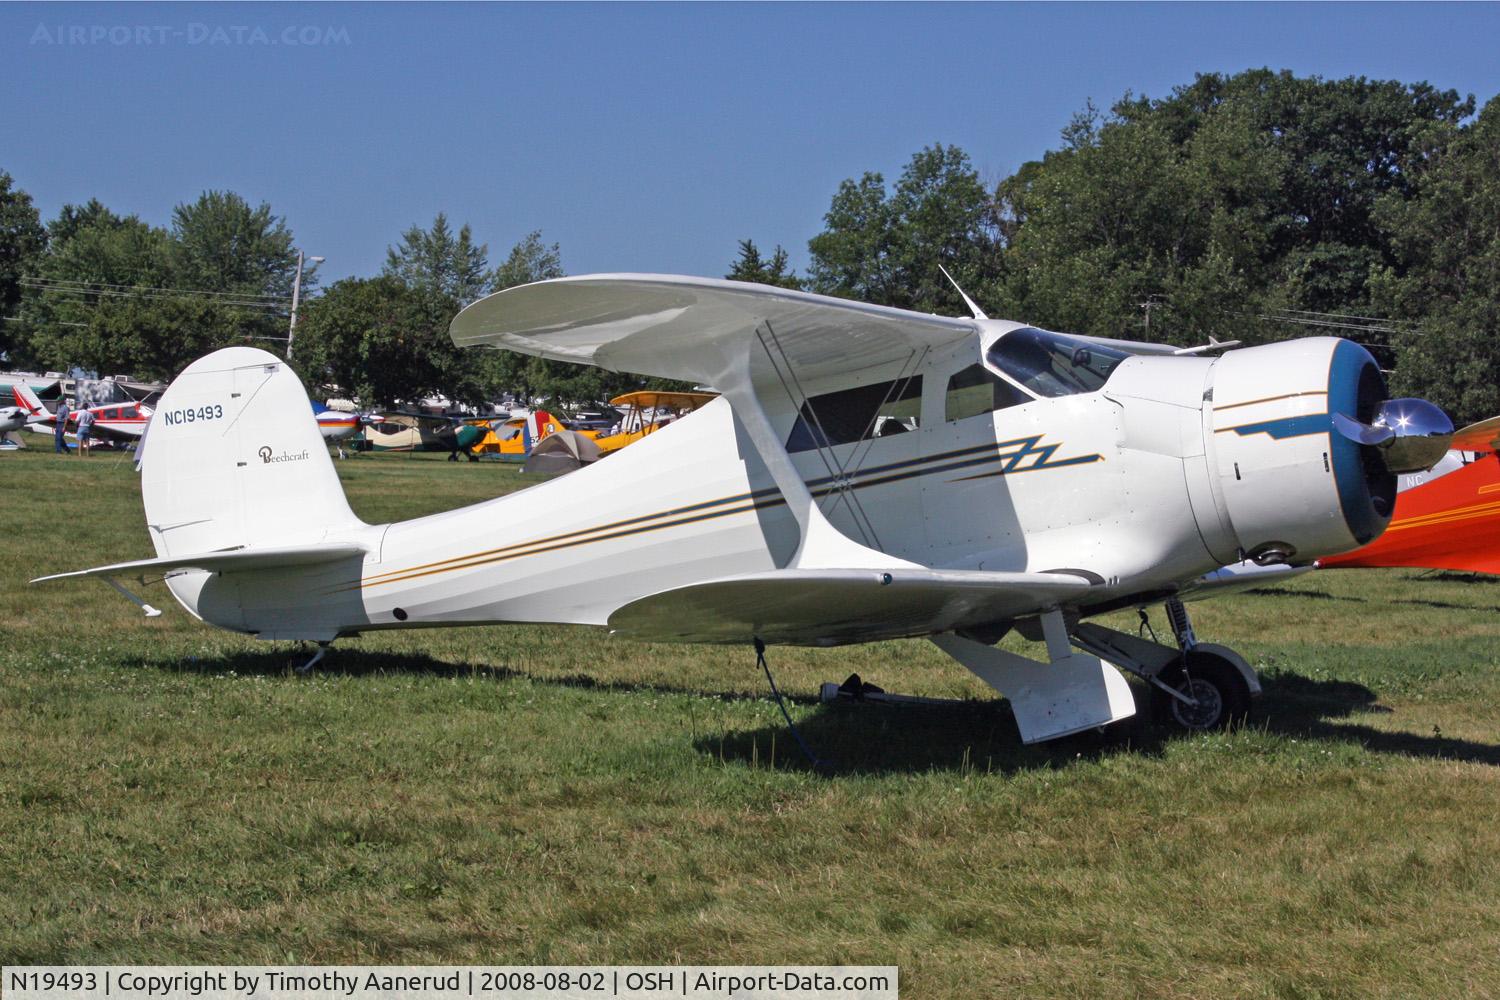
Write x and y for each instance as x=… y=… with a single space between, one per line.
x=868 y=473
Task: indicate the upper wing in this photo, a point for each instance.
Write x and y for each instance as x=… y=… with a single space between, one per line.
x=747 y=340
x=682 y=327
x=1483 y=436
x=826 y=607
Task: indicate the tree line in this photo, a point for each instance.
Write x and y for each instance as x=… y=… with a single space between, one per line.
x=1255 y=206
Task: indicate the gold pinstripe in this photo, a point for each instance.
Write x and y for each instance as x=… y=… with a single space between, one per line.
x=1272 y=399
x=1444 y=517
x=701 y=511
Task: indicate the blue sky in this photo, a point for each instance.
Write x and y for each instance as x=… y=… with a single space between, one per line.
x=639 y=137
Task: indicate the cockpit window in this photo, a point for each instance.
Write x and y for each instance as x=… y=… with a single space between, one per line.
x=879 y=410
x=977 y=390
x=1052 y=364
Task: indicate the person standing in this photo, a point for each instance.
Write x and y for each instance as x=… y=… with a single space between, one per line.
x=85 y=424
x=59 y=432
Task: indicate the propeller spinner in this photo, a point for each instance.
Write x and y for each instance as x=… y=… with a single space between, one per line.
x=1409 y=435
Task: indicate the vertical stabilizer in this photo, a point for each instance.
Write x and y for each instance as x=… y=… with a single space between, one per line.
x=26 y=398
x=237 y=460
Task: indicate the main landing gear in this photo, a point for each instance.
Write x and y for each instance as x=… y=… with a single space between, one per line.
x=1198 y=686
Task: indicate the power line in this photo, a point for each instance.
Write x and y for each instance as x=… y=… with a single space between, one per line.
x=83 y=294
x=1308 y=321
x=39 y=281
x=1368 y=319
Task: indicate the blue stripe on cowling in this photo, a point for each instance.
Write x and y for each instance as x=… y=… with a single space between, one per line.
x=1287 y=427
x=1348 y=363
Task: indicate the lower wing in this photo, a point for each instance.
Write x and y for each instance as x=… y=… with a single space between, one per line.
x=829 y=607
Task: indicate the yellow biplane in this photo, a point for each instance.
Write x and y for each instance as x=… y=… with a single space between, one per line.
x=512 y=440
x=646 y=411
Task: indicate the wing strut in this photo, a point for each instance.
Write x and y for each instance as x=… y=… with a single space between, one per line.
x=822 y=546
x=839 y=473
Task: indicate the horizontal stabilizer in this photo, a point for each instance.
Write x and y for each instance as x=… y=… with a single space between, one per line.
x=827 y=607
x=223 y=561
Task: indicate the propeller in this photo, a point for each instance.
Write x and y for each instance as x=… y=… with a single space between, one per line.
x=1482 y=436
x=1410 y=435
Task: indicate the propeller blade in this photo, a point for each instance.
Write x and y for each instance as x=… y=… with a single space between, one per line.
x=1361 y=433
x=1483 y=436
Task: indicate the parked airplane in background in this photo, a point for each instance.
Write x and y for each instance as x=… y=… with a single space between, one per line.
x=122 y=423
x=1448 y=521
x=646 y=411
x=509 y=440
x=642 y=412
x=1038 y=479
x=13 y=418
x=338 y=425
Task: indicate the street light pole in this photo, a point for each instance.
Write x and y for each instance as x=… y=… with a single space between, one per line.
x=291 y=331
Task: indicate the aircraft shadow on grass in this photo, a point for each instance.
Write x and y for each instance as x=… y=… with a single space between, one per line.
x=359 y=663
x=964 y=736
x=982 y=736
x=1480 y=584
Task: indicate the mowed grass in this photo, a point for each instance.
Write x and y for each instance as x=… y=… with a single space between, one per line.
x=172 y=793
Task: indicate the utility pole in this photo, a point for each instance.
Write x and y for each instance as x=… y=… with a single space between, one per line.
x=291 y=331
x=1146 y=307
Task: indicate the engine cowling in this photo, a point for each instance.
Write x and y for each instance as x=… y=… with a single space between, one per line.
x=1301 y=462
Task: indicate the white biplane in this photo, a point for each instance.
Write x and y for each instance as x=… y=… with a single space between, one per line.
x=868 y=473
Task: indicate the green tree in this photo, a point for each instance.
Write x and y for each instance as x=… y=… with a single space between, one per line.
x=1228 y=201
x=73 y=218
x=1446 y=278
x=439 y=261
x=384 y=341
x=528 y=261
x=22 y=241
x=101 y=304
x=885 y=246
x=123 y=296
x=1125 y=227
x=116 y=294
x=751 y=266
x=221 y=244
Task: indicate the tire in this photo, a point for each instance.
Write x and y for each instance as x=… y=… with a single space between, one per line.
x=1223 y=695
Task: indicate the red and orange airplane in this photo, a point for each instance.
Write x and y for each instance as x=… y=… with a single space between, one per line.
x=1451 y=522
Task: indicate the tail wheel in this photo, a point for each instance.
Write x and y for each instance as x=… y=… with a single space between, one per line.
x=1216 y=686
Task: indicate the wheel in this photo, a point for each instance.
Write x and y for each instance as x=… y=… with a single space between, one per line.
x=1214 y=682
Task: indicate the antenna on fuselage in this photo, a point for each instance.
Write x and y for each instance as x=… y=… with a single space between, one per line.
x=978 y=312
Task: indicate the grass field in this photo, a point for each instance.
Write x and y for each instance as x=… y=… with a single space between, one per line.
x=172 y=793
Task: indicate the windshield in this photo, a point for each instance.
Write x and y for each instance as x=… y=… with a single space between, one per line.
x=1053 y=364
